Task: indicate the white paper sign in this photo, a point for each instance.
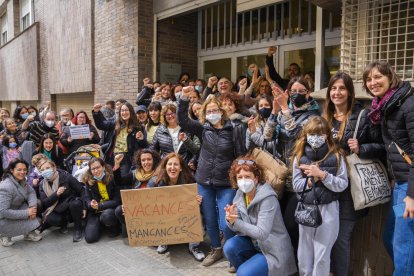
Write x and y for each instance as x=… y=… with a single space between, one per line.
x=80 y=132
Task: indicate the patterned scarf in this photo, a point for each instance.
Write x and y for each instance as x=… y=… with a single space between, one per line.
x=377 y=104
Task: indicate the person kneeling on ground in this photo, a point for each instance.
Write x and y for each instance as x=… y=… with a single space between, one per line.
x=262 y=245
x=102 y=197
x=18 y=205
x=61 y=196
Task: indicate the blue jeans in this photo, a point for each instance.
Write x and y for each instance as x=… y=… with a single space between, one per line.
x=399 y=233
x=215 y=220
x=241 y=253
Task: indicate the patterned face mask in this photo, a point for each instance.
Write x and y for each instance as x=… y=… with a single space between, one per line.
x=316 y=141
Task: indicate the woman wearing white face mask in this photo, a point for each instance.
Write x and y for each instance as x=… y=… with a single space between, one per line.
x=262 y=245
x=61 y=196
x=218 y=150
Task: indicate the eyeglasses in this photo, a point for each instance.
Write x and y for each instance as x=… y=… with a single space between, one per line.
x=248 y=162
x=213 y=111
x=301 y=91
x=169 y=114
x=95 y=169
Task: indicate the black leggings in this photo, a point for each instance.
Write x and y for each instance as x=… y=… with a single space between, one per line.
x=96 y=222
x=75 y=211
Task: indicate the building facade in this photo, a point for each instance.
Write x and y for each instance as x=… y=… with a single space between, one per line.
x=75 y=53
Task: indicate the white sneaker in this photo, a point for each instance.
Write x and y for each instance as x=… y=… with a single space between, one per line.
x=162 y=249
x=197 y=253
x=6 y=241
x=33 y=236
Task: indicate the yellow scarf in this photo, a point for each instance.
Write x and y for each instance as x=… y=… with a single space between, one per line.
x=103 y=191
x=141 y=176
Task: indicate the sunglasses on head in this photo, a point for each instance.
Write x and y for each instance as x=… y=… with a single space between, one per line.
x=248 y=162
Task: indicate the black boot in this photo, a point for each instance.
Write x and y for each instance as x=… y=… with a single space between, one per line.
x=78 y=235
x=124 y=231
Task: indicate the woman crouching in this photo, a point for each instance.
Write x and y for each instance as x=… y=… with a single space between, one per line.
x=101 y=198
x=262 y=245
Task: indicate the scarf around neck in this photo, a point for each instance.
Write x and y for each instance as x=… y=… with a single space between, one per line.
x=141 y=176
x=376 y=106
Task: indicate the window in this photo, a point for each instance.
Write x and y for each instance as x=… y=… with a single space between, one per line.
x=25 y=21
x=222 y=26
x=218 y=67
x=378 y=30
x=3 y=29
x=25 y=14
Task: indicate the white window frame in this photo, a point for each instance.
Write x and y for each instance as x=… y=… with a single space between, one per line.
x=303 y=42
x=27 y=12
x=3 y=29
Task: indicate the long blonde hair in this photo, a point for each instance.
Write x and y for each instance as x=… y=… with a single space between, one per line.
x=315 y=125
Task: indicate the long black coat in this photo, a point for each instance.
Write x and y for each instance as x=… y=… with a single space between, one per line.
x=370 y=146
x=218 y=149
x=398 y=126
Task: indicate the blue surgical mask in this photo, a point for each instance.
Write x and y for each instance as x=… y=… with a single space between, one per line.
x=47 y=174
x=199 y=88
x=12 y=145
x=24 y=115
x=99 y=178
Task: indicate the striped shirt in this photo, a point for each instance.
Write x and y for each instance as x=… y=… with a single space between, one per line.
x=38 y=129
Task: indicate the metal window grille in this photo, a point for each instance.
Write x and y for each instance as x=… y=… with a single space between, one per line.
x=377 y=29
x=222 y=26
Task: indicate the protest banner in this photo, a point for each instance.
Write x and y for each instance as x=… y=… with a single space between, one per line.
x=80 y=132
x=163 y=215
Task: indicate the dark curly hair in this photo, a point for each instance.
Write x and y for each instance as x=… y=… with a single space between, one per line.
x=155 y=158
x=245 y=166
x=12 y=166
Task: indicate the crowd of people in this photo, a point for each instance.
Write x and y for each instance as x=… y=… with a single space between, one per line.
x=203 y=132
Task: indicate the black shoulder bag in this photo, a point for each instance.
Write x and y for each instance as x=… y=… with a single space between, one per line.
x=308 y=214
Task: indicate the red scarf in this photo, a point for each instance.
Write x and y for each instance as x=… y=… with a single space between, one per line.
x=377 y=104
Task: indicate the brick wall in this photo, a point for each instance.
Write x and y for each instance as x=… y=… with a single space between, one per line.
x=177 y=42
x=116 y=49
x=145 y=39
x=40 y=9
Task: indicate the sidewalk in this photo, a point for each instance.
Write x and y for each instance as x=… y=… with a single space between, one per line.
x=56 y=254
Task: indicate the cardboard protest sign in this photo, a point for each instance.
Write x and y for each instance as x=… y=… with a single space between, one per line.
x=79 y=132
x=163 y=215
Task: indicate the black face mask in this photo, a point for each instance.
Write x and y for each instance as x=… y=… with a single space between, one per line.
x=298 y=99
x=265 y=112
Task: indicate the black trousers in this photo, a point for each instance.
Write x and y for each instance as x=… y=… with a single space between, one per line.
x=75 y=211
x=97 y=221
x=290 y=203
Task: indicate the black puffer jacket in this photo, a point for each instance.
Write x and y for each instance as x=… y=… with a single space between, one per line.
x=132 y=143
x=370 y=146
x=74 y=189
x=218 y=149
x=163 y=143
x=398 y=126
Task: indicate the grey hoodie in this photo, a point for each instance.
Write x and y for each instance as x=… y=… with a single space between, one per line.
x=263 y=222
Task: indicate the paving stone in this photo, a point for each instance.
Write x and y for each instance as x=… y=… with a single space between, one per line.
x=56 y=254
